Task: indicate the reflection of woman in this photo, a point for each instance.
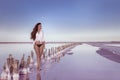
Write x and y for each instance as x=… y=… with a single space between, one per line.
x=23 y=77
x=38 y=42
x=38 y=77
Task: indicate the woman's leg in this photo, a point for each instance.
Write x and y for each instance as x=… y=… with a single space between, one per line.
x=41 y=52
x=37 y=56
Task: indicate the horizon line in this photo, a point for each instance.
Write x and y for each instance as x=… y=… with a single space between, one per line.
x=27 y=42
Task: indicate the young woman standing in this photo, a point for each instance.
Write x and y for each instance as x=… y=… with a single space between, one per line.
x=38 y=42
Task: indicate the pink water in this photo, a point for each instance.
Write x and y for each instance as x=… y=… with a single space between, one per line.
x=81 y=63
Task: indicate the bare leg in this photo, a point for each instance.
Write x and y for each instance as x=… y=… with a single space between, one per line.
x=37 y=55
x=41 y=52
x=38 y=76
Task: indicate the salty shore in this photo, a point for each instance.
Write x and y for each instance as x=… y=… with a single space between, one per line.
x=109 y=46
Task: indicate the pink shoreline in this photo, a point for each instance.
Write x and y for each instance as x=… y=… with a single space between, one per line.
x=113 y=49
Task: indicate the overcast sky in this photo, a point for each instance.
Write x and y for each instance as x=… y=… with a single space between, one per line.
x=62 y=20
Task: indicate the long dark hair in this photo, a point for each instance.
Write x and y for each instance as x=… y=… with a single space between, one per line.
x=35 y=29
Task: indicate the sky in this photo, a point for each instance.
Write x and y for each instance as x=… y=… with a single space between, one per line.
x=62 y=20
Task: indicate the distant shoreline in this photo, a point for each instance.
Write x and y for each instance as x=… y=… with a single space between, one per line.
x=61 y=42
x=32 y=42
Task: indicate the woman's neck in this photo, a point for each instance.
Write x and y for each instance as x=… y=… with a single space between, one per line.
x=39 y=31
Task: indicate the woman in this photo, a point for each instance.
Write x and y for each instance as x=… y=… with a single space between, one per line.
x=38 y=42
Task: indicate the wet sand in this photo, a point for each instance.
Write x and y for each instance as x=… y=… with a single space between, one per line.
x=112 y=47
x=82 y=62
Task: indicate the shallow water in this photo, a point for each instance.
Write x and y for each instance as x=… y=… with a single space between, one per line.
x=17 y=50
x=84 y=64
x=80 y=63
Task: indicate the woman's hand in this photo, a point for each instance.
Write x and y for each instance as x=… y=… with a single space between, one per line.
x=38 y=42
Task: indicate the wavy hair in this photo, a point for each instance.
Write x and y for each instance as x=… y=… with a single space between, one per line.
x=35 y=29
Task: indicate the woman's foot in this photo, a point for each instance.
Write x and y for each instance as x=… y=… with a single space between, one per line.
x=38 y=71
x=38 y=68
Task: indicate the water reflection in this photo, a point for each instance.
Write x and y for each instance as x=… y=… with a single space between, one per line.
x=38 y=76
x=70 y=53
x=49 y=64
x=24 y=77
x=26 y=66
x=109 y=55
